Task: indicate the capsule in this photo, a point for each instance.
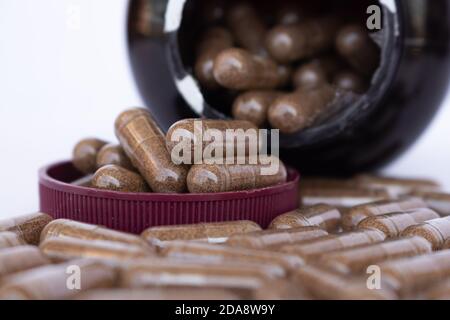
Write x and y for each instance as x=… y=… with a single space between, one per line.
x=85 y=181
x=321 y=215
x=439 y=202
x=85 y=154
x=436 y=231
x=64 y=249
x=20 y=258
x=300 y=110
x=357 y=260
x=350 y=81
x=313 y=249
x=253 y=106
x=358 y=49
x=28 y=227
x=272 y=239
x=238 y=69
x=247 y=27
x=288 y=43
x=411 y=275
x=208 y=232
x=355 y=215
x=280 y=290
x=51 y=282
x=192 y=132
x=119 y=179
x=310 y=76
x=10 y=239
x=113 y=154
x=144 y=143
x=67 y=228
x=392 y=225
x=214 y=41
x=227 y=178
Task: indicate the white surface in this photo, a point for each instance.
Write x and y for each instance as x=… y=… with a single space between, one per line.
x=64 y=75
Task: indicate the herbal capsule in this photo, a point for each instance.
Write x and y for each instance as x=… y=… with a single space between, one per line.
x=119 y=179
x=28 y=227
x=238 y=69
x=309 y=77
x=359 y=50
x=194 y=250
x=144 y=143
x=439 y=202
x=435 y=231
x=10 y=239
x=67 y=228
x=412 y=275
x=20 y=258
x=355 y=215
x=272 y=239
x=214 y=41
x=322 y=215
x=357 y=260
x=252 y=106
x=237 y=177
x=51 y=282
x=85 y=154
x=300 y=110
x=392 y=225
x=350 y=81
x=313 y=249
x=64 y=249
x=113 y=154
x=209 y=232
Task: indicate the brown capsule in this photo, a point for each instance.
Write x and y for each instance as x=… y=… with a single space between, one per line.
x=193 y=132
x=315 y=248
x=247 y=27
x=272 y=239
x=144 y=143
x=227 y=178
x=439 y=202
x=392 y=225
x=73 y=229
x=288 y=43
x=214 y=41
x=238 y=69
x=350 y=81
x=321 y=215
x=355 y=215
x=411 y=275
x=253 y=106
x=357 y=260
x=10 y=239
x=119 y=179
x=51 y=282
x=85 y=181
x=358 y=49
x=309 y=76
x=436 y=231
x=113 y=154
x=209 y=232
x=19 y=259
x=65 y=249
x=28 y=227
x=440 y=291
x=300 y=110
x=85 y=154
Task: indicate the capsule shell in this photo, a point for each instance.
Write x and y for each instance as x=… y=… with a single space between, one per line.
x=439 y=202
x=115 y=178
x=392 y=225
x=209 y=232
x=144 y=143
x=323 y=216
x=17 y=259
x=227 y=178
x=10 y=239
x=253 y=106
x=113 y=154
x=273 y=239
x=28 y=227
x=357 y=260
x=355 y=215
x=85 y=154
x=436 y=231
x=310 y=76
x=51 y=282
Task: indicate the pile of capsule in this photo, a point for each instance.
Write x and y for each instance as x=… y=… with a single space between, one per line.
x=399 y=230
x=143 y=161
x=286 y=64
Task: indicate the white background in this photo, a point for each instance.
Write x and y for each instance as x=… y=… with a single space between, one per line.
x=64 y=75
